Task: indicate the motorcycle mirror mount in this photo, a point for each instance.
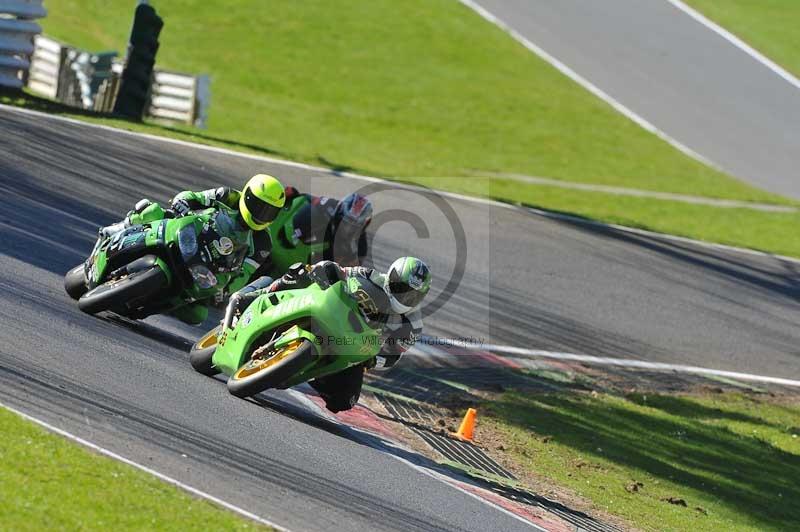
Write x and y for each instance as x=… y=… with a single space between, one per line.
x=230 y=312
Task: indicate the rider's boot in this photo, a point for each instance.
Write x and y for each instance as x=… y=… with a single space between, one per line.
x=193 y=313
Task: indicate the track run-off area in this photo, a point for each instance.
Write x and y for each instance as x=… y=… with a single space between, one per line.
x=526 y=281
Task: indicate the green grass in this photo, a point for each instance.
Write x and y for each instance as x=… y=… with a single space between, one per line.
x=733 y=459
x=435 y=91
x=767 y=231
x=414 y=88
x=770 y=26
x=49 y=483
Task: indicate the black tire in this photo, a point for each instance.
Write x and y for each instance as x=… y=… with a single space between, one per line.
x=117 y=295
x=274 y=375
x=75 y=282
x=200 y=357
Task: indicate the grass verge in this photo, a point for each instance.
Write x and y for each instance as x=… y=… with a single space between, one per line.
x=414 y=88
x=770 y=26
x=49 y=483
x=663 y=462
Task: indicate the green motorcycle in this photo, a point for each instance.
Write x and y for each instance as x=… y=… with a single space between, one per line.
x=312 y=244
x=287 y=249
x=286 y=338
x=159 y=264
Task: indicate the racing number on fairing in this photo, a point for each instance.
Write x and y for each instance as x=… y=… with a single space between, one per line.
x=365 y=303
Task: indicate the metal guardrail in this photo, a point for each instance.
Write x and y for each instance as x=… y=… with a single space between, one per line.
x=179 y=97
x=69 y=75
x=17 y=30
x=45 y=70
x=91 y=81
x=82 y=74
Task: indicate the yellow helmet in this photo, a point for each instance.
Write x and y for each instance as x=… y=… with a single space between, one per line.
x=261 y=200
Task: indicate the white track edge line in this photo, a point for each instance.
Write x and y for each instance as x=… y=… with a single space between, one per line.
x=406 y=186
x=736 y=41
x=160 y=476
x=624 y=362
x=588 y=85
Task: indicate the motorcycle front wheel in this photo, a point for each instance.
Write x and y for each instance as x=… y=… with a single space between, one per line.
x=272 y=369
x=122 y=295
x=203 y=351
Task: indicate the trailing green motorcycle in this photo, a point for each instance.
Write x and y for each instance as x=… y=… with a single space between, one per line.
x=287 y=249
x=158 y=265
x=303 y=233
x=289 y=337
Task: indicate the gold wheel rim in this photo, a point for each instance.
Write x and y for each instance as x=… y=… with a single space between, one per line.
x=260 y=364
x=209 y=340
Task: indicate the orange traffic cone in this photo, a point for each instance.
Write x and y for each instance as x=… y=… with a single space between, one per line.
x=467 y=429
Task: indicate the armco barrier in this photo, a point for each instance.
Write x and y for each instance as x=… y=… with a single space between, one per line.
x=82 y=75
x=69 y=75
x=179 y=97
x=43 y=77
x=17 y=30
x=92 y=80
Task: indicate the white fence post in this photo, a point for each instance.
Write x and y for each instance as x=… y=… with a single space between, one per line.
x=17 y=31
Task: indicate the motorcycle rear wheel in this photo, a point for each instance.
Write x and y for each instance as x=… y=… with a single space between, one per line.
x=116 y=295
x=203 y=351
x=262 y=374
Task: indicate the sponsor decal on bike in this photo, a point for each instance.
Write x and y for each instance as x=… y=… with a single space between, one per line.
x=287 y=307
x=247 y=318
x=296 y=236
x=132 y=240
x=162 y=227
x=204 y=278
x=224 y=246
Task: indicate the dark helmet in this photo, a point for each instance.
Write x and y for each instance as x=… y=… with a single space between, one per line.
x=407 y=283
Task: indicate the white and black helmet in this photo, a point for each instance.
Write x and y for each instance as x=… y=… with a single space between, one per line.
x=407 y=283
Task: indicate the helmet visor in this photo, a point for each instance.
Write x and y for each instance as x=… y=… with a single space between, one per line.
x=261 y=211
x=403 y=293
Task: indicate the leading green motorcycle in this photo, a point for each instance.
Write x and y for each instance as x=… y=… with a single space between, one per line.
x=158 y=264
x=289 y=337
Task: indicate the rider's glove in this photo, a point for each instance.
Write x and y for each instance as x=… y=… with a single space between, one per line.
x=181 y=207
x=142 y=205
x=384 y=362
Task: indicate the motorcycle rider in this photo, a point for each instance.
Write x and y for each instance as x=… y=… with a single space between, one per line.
x=255 y=206
x=340 y=224
x=388 y=301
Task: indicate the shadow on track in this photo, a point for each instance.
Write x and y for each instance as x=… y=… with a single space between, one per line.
x=250 y=465
x=740 y=269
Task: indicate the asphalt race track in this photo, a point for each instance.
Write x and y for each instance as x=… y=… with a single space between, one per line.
x=679 y=75
x=528 y=281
